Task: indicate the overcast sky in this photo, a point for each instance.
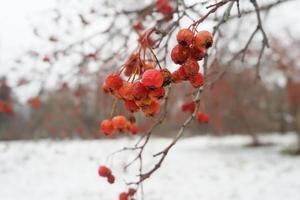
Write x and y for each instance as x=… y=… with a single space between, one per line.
x=16 y=31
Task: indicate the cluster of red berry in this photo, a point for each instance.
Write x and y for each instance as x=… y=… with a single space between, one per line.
x=190 y=49
x=105 y=172
x=119 y=123
x=127 y=195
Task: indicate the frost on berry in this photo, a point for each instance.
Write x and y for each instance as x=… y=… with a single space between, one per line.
x=190 y=67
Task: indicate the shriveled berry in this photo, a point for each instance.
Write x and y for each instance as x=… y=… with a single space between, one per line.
x=107 y=127
x=139 y=91
x=167 y=76
x=104 y=171
x=197 y=80
x=144 y=102
x=185 y=37
x=203 y=39
x=202 y=118
x=131 y=191
x=111 y=179
x=119 y=122
x=179 y=54
x=114 y=81
x=131 y=106
x=152 y=79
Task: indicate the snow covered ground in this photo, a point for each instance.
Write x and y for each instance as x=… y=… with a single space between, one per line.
x=202 y=168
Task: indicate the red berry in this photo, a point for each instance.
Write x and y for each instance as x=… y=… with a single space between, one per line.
x=114 y=81
x=107 y=127
x=179 y=54
x=202 y=118
x=131 y=191
x=152 y=109
x=104 y=171
x=176 y=76
x=190 y=67
x=131 y=106
x=185 y=37
x=119 y=122
x=197 y=80
x=157 y=93
x=139 y=91
x=197 y=53
x=111 y=179
x=188 y=107
x=164 y=6
x=133 y=129
x=152 y=79
x=123 y=196
x=203 y=39
x=126 y=91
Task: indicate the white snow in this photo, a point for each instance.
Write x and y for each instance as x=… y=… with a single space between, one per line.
x=198 y=168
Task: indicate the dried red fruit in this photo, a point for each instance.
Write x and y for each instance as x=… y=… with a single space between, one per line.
x=104 y=171
x=131 y=106
x=114 y=81
x=144 y=102
x=188 y=107
x=185 y=37
x=131 y=191
x=111 y=179
x=152 y=79
x=179 y=54
x=203 y=39
x=107 y=127
x=35 y=102
x=139 y=91
x=167 y=76
x=202 y=118
x=119 y=122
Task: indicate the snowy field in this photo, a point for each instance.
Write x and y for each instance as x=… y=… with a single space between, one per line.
x=202 y=168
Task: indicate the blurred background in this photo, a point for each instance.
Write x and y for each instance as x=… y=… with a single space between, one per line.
x=54 y=56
